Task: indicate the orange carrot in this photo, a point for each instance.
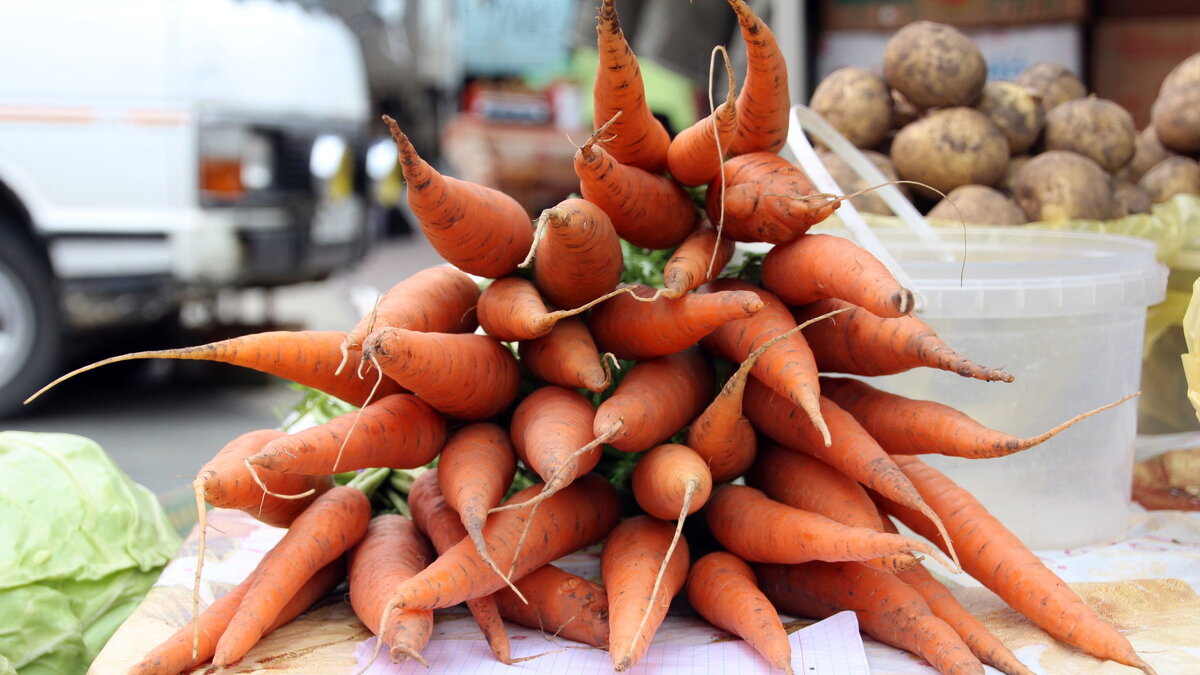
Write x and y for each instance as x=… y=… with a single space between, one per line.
x=905 y=426
x=761 y=196
x=654 y=400
x=637 y=330
x=475 y=470
x=887 y=608
x=309 y=358
x=471 y=377
x=647 y=209
x=722 y=588
x=400 y=431
x=671 y=482
x=861 y=343
x=817 y=266
x=478 y=229
x=695 y=155
x=642 y=571
x=764 y=101
x=548 y=429
x=640 y=140
x=566 y=356
x=391 y=551
x=559 y=603
x=512 y=309
x=996 y=558
x=698 y=259
x=579 y=259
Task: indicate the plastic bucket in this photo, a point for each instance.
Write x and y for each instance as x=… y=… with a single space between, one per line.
x=1064 y=313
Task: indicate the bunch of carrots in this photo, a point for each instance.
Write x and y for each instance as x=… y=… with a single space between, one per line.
x=632 y=407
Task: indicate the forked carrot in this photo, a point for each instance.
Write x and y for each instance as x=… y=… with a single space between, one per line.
x=695 y=155
x=566 y=356
x=560 y=604
x=391 y=551
x=654 y=400
x=817 y=266
x=764 y=101
x=723 y=589
x=761 y=196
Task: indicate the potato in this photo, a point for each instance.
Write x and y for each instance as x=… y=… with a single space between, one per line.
x=1058 y=185
x=950 y=147
x=1054 y=83
x=850 y=181
x=1187 y=70
x=1147 y=152
x=1172 y=176
x=934 y=65
x=978 y=205
x=1009 y=179
x=1093 y=127
x=1016 y=111
x=1176 y=118
x=1130 y=198
x=857 y=103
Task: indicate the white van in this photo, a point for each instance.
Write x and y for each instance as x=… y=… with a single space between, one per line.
x=155 y=151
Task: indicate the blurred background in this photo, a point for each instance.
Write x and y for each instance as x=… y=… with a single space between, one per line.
x=174 y=172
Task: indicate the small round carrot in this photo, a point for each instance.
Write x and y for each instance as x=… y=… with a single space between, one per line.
x=722 y=588
x=696 y=153
x=817 y=266
x=560 y=604
x=642 y=571
x=764 y=102
x=566 y=356
x=468 y=376
x=391 y=551
x=654 y=400
x=700 y=258
x=478 y=229
x=475 y=470
x=579 y=259
x=671 y=482
x=761 y=196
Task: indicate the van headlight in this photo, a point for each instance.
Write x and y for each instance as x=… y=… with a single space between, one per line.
x=331 y=164
x=233 y=161
x=383 y=169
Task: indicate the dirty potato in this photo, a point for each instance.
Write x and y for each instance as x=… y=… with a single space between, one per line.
x=950 y=147
x=857 y=103
x=934 y=65
x=978 y=205
x=1059 y=185
x=1016 y=111
x=1093 y=127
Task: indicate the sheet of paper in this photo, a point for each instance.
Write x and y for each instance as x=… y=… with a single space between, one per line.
x=830 y=647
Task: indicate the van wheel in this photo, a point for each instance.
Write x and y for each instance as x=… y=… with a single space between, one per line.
x=31 y=334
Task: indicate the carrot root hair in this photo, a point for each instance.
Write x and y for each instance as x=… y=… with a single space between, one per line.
x=263 y=486
x=202 y=525
x=1026 y=443
x=730 y=101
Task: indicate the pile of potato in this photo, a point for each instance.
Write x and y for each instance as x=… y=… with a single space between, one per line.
x=1039 y=148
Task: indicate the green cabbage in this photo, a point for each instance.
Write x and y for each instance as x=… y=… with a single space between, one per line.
x=86 y=545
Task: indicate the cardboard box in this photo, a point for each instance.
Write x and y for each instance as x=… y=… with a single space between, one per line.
x=1130 y=58
x=890 y=14
x=1008 y=51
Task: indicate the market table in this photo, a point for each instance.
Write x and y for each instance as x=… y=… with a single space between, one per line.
x=1147 y=584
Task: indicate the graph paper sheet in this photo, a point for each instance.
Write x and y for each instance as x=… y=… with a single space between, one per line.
x=683 y=645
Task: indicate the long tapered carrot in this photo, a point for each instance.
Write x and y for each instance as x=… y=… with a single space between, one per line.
x=635 y=329
x=579 y=258
x=906 y=426
x=861 y=343
x=468 y=376
x=475 y=469
x=512 y=309
x=723 y=589
x=400 y=431
x=696 y=153
x=764 y=101
x=654 y=400
x=309 y=358
x=548 y=429
x=817 y=266
x=566 y=356
x=436 y=299
x=478 y=229
x=640 y=140
x=437 y=519
x=996 y=558
x=392 y=550
x=761 y=196
x=887 y=608
x=642 y=572
x=558 y=603
x=700 y=258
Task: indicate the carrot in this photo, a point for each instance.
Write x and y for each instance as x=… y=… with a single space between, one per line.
x=818 y=266
x=640 y=139
x=579 y=259
x=854 y=452
x=471 y=377
x=996 y=558
x=512 y=309
x=723 y=589
x=861 y=343
x=654 y=400
x=635 y=329
x=436 y=299
x=559 y=603
x=549 y=427
x=327 y=529
x=789 y=368
x=475 y=470
x=642 y=569
x=700 y=258
x=695 y=155
x=764 y=101
x=391 y=551
x=648 y=210
x=756 y=528
x=478 y=229
x=905 y=426
x=566 y=356
x=805 y=482
x=887 y=608
x=671 y=482
x=308 y=358
x=400 y=431
x=761 y=196
x=176 y=655
x=433 y=516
